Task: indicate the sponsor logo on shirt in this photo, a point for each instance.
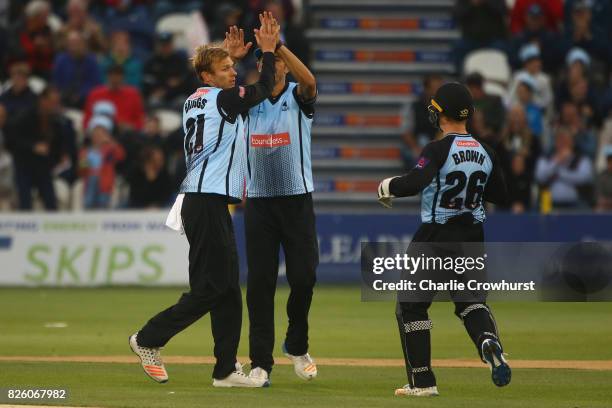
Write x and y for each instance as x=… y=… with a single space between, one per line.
x=270 y=140
x=467 y=143
x=422 y=162
x=198 y=93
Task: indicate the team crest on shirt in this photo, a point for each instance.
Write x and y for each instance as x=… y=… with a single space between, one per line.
x=284 y=107
x=423 y=161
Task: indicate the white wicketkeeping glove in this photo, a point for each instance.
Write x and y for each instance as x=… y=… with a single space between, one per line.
x=384 y=195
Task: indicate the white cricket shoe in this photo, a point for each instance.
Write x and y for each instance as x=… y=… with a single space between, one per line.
x=238 y=379
x=407 y=390
x=261 y=375
x=150 y=359
x=304 y=366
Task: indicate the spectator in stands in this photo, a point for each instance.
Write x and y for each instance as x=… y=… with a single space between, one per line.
x=125 y=98
x=167 y=77
x=98 y=161
x=579 y=90
x=536 y=32
x=604 y=183
x=419 y=130
x=601 y=14
x=532 y=68
x=567 y=174
x=19 y=97
x=227 y=14
x=491 y=106
x=152 y=133
x=483 y=25
x=581 y=33
x=477 y=127
x=121 y=54
x=291 y=34
x=132 y=16
x=42 y=143
x=32 y=39
x=550 y=10
x=518 y=137
x=524 y=95
x=76 y=71
x=520 y=184
x=6 y=167
x=150 y=184
x=585 y=138
x=78 y=19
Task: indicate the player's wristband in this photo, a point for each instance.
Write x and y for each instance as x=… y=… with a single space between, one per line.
x=278 y=45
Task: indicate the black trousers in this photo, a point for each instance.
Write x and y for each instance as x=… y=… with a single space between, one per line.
x=213 y=282
x=37 y=176
x=413 y=318
x=269 y=223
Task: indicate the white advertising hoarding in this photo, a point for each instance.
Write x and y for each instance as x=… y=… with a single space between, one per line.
x=91 y=249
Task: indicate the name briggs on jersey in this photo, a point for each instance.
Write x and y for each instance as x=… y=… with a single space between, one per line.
x=195 y=103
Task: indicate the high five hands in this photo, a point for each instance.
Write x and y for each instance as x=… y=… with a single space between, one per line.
x=268 y=35
x=234 y=43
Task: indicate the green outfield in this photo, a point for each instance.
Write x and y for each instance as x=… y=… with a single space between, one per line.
x=97 y=322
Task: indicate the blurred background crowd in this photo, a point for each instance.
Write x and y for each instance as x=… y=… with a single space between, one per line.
x=91 y=95
x=546 y=124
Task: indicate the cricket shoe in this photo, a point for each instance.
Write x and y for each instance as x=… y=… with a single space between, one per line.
x=407 y=390
x=150 y=359
x=261 y=375
x=238 y=379
x=500 y=370
x=303 y=365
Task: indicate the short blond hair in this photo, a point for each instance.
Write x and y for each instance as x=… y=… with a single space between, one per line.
x=205 y=56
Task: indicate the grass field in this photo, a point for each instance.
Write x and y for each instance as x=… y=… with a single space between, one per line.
x=96 y=322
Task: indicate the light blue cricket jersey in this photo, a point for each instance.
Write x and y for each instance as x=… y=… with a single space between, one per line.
x=459 y=184
x=215 y=147
x=279 y=132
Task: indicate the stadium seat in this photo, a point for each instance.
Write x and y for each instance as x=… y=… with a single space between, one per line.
x=37 y=84
x=189 y=30
x=491 y=63
x=493 y=88
x=76 y=116
x=169 y=120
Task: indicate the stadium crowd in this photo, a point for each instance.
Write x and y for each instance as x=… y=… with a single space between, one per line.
x=92 y=92
x=548 y=126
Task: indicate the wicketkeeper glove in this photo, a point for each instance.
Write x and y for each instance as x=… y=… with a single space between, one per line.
x=384 y=195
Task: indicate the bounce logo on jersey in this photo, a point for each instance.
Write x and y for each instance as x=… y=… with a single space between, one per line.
x=467 y=143
x=271 y=140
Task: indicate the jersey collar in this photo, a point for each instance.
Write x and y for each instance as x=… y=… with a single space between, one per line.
x=273 y=100
x=459 y=134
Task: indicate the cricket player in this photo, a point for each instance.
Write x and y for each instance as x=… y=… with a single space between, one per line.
x=215 y=154
x=279 y=212
x=455 y=175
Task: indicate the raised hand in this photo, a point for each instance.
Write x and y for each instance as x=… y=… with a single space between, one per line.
x=268 y=34
x=234 y=43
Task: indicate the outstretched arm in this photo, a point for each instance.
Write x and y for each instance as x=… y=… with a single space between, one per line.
x=307 y=86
